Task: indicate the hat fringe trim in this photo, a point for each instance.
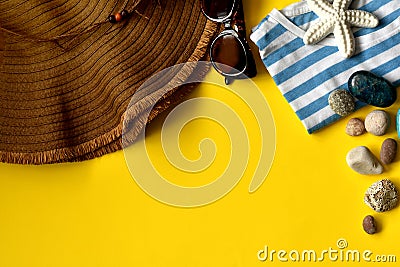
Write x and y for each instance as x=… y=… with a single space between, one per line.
x=112 y=140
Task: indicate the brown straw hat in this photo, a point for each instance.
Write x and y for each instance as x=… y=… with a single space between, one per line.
x=67 y=73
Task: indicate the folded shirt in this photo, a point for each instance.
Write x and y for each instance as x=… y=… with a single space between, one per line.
x=307 y=74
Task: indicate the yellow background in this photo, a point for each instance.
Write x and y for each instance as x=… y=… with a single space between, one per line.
x=94 y=214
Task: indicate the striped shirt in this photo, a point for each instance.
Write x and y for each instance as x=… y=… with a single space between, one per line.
x=307 y=74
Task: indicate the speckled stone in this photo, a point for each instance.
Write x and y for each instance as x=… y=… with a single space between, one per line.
x=371 y=89
x=361 y=160
x=341 y=102
x=355 y=127
x=377 y=122
x=388 y=151
x=381 y=196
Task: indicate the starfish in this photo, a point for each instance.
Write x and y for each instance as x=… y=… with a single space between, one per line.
x=336 y=18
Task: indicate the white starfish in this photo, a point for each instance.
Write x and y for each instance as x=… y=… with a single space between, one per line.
x=337 y=19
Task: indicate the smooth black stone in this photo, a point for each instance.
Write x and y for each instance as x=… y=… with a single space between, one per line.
x=371 y=89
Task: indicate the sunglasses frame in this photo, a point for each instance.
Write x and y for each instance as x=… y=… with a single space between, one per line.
x=222 y=20
x=228 y=30
x=215 y=64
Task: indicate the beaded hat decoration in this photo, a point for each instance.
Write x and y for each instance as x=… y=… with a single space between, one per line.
x=68 y=70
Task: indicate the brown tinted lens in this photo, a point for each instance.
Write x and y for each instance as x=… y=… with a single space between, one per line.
x=217 y=9
x=228 y=50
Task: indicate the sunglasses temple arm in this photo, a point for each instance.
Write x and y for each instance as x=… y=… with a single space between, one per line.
x=238 y=19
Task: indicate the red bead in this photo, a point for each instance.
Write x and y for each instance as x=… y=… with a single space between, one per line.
x=118 y=17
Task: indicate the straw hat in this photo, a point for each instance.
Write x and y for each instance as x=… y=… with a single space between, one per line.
x=67 y=73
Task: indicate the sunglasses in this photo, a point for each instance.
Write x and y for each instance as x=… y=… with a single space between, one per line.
x=230 y=53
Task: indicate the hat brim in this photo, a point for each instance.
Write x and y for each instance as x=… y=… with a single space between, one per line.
x=59 y=105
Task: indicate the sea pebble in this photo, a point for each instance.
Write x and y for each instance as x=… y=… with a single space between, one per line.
x=398 y=123
x=388 y=151
x=341 y=102
x=381 y=196
x=355 y=127
x=361 y=160
x=377 y=122
x=369 y=225
x=372 y=89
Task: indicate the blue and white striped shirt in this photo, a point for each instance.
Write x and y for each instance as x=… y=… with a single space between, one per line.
x=307 y=74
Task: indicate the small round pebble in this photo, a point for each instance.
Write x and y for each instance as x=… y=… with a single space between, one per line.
x=381 y=196
x=388 y=151
x=377 y=122
x=361 y=160
x=341 y=102
x=355 y=127
x=369 y=225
